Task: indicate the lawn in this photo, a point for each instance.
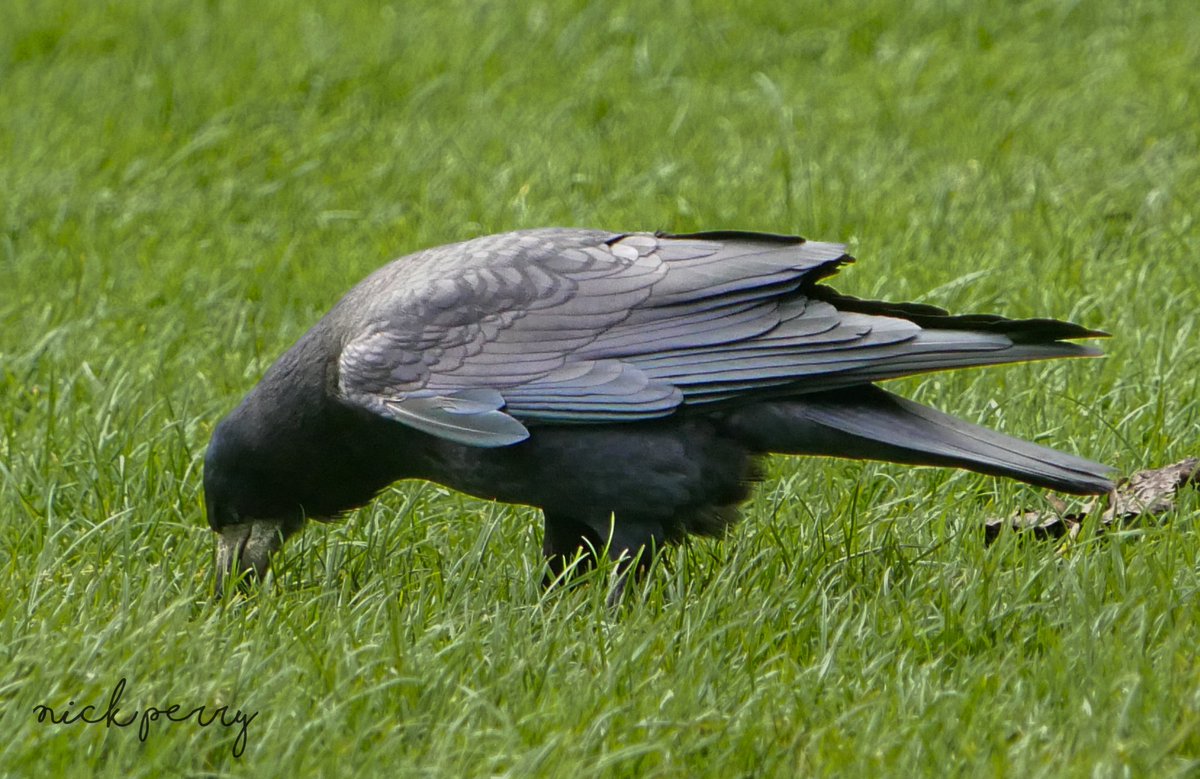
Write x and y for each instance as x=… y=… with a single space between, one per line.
x=186 y=186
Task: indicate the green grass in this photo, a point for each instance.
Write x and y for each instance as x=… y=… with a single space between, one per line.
x=186 y=186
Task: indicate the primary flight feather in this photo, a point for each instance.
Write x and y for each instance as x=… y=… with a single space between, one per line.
x=625 y=383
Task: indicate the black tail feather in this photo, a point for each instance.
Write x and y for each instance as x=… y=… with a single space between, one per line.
x=867 y=422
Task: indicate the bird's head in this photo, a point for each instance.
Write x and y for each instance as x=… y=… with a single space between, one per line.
x=242 y=500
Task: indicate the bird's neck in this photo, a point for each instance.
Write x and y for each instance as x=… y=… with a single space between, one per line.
x=332 y=456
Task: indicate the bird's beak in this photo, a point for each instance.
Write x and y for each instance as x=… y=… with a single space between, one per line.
x=244 y=550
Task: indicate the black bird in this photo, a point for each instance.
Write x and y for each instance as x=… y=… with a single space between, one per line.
x=625 y=383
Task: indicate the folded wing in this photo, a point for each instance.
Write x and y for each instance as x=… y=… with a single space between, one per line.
x=579 y=326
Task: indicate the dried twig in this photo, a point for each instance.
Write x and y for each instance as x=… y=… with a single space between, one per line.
x=1145 y=493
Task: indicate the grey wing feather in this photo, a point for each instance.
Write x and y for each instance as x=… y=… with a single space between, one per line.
x=470 y=417
x=502 y=314
x=603 y=388
x=585 y=326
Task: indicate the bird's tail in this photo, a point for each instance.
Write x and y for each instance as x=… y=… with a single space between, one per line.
x=867 y=422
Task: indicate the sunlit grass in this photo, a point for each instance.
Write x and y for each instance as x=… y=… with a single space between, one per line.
x=185 y=187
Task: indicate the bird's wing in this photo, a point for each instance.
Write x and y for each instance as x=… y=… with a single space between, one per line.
x=463 y=340
x=466 y=341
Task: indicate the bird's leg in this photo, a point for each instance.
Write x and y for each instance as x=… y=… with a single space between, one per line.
x=566 y=539
x=630 y=547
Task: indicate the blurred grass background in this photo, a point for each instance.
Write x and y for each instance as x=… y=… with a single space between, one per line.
x=186 y=186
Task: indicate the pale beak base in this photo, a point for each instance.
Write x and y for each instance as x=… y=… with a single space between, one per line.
x=244 y=550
